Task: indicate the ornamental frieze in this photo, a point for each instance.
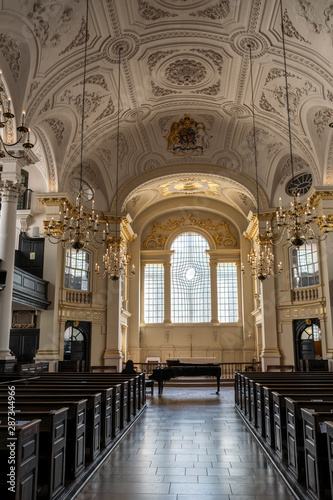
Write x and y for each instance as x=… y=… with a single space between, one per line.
x=220 y=232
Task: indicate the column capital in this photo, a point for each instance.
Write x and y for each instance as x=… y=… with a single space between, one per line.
x=10 y=190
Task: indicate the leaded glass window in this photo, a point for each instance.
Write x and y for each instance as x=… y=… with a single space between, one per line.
x=190 y=280
x=304 y=265
x=227 y=293
x=77 y=270
x=154 y=293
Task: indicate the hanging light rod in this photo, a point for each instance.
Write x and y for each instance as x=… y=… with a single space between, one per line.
x=115 y=258
x=299 y=221
x=77 y=226
x=261 y=259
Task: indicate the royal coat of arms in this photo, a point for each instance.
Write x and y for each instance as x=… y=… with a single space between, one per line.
x=187 y=137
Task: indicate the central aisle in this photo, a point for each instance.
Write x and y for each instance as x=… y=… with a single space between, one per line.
x=188 y=445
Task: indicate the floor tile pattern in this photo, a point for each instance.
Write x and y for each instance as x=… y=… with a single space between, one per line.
x=190 y=444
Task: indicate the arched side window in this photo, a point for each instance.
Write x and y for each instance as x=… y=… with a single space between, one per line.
x=77 y=270
x=304 y=265
x=190 y=280
x=154 y=293
x=227 y=292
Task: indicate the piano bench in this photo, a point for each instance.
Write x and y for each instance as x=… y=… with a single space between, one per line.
x=150 y=383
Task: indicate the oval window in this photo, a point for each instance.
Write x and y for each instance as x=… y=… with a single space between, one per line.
x=190 y=273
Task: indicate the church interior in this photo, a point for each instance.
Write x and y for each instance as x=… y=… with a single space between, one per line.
x=193 y=124
x=166 y=185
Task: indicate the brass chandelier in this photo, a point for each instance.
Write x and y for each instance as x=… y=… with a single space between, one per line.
x=299 y=221
x=115 y=258
x=261 y=259
x=6 y=116
x=77 y=226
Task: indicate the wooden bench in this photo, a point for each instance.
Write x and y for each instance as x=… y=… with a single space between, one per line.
x=294 y=440
x=150 y=384
x=51 y=450
x=316 y=453
x=268 y=413
x=76 y=427
x=269 y=392
x=93 y=421
x=264 y=406
x=329 y=426
x=25 y=449
x=132 y=390
x=138 y=379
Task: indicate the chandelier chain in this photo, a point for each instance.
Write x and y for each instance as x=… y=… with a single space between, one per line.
x=84 y=94
x=287 y=93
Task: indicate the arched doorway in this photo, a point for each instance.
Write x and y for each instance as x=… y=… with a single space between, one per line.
x=77 y=342
x=307 y=340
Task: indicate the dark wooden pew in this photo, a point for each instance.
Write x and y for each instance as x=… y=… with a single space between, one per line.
x=132 y=396
x=294 y=437
x=265 y=405
x=137 y=383
x=93 y=421
x=329 y=426
x=51 y=451
x=269 y=408
x=316 y=454
x=278 y=378
x=112 y=401
x=76 y=428
x=244 y=381
x=25 y=449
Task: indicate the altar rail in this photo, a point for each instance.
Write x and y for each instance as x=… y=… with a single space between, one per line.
x=228 y=370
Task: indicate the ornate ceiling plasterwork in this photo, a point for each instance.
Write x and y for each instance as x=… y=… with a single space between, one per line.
x=160 y=231
x=189 y=186
x=178 y=57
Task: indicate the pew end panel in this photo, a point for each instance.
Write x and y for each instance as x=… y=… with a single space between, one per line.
x=26 y=460
x=316 y=453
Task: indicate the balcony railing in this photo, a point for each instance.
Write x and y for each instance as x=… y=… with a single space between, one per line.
x=77 y=297
x=302 y=294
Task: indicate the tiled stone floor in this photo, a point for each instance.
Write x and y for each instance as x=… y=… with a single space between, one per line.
x=190 y=444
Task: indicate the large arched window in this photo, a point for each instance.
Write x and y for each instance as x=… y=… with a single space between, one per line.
x=190 y=280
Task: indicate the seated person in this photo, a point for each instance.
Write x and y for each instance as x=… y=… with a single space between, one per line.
x=129 y=368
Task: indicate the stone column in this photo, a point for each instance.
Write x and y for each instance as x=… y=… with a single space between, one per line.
x=113 y=355
x=50 y=335
x=270 y=354
x=326 y=253
x=10 y=189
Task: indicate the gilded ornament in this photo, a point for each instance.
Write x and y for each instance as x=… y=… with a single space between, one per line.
x=187 y=137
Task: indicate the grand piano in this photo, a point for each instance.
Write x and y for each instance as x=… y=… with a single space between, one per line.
x=177 y=369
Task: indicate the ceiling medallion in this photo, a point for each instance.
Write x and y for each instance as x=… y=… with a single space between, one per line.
x=242 y=39
x=190 y=186
x=129 y=45
x=187 y=137
x=185 y=72
x=232 y=109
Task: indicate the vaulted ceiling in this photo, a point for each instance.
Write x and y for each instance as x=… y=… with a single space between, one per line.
x=184 y=66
